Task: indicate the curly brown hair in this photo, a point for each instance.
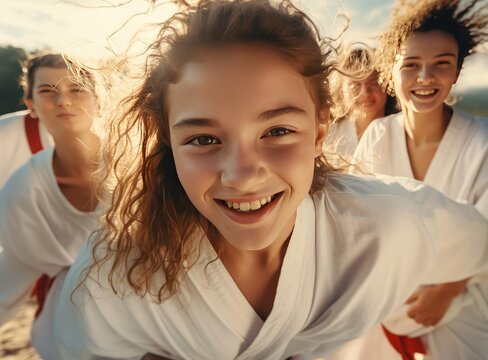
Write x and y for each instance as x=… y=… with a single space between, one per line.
x=151 y=227
x=466 y=21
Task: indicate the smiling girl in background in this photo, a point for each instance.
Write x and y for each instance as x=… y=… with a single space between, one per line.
x=421 y=57
x=228 y=236
x=358 y=100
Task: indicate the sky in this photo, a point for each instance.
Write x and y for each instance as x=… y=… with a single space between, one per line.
x=88 y=28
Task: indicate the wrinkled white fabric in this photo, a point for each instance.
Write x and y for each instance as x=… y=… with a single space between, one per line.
x=40 y=231
x=347 y=266
x=459 y=169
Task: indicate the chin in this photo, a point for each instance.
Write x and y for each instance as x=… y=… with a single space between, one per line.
x=255 y=244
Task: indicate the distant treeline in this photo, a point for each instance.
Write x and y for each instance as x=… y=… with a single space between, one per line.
x=10 y=72
x=473 y=101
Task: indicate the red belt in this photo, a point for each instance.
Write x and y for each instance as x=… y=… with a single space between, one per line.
x=405 y=346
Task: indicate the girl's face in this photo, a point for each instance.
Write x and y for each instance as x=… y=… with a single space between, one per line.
x=425 y=70
x=244 y=135
x=63 y=106
x=368 y=99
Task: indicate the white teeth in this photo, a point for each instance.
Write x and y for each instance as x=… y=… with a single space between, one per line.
x=249 y=206
x=424 y=92
x=255 y=205
x=245 y=206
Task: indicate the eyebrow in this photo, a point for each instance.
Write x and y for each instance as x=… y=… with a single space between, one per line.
x=73 y=85
x=46 y=85
x=270 y=114
x=197 y=122
x=436 y=56
x=266 y=115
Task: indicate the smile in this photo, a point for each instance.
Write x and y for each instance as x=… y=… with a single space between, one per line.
x=250 y=212
x=249 y=206
x=425 y=92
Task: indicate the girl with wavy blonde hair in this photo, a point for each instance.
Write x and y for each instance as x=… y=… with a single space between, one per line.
x=358 y=98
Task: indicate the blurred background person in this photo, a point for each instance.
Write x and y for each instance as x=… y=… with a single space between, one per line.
x=61 y=97
x=358 y=99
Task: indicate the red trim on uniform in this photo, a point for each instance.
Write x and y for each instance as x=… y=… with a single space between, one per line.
x=33 y=134
x=40 y=290
x=405 y=346
x=43 y=284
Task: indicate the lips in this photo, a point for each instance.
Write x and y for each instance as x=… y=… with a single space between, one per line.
x=425 y=93
x=249 y=205
x=65 y=115
x=249 y=212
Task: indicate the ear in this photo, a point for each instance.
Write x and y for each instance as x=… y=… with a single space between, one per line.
x=322 y=129
x=30 y=106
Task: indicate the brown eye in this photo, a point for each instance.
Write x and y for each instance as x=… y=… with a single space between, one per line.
x=203 y=140
x=279 y=131
x=410 y=66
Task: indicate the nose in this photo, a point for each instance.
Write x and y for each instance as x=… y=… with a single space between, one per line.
x=365 y=93
x=243 y=169
x=64 y=100
x=425 y=75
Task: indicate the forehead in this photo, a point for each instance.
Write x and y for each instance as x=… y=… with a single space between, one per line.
x=53 y=76
x=372 y=78
x=242 y=78
x=429 y=43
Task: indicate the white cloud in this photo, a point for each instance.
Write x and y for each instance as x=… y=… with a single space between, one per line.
x=77 y=27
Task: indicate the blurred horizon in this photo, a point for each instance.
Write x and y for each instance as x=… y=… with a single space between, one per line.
x=99 y=29
x=103 y=28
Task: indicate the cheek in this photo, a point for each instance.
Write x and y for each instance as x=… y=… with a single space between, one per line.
x=92 y=107
x=195 y=172
x=450 y=77
x=42 y=104
x=400 y=84
x=397 y=77
x=295 y=164
x=380 y=98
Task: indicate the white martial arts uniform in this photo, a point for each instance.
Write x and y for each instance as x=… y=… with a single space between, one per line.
x=16 y=150
x=14 y=143
x=40 y=231
x=459 y=169
x=348 y=264
x=342 y=138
